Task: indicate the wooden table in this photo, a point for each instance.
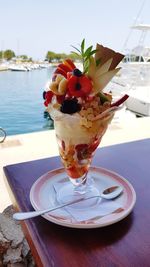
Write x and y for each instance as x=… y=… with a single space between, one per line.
x=124 y=244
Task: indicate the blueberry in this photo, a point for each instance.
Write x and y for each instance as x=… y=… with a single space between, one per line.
x=44 y=94
x=70 y=106
x=77 y=72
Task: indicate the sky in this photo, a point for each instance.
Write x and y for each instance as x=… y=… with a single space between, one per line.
x=33 y=27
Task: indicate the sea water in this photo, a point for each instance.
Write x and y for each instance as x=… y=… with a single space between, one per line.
x=21 y=102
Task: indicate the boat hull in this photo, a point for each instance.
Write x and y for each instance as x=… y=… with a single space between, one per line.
x=138 y=106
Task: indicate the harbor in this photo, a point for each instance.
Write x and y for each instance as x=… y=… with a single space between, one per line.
x=30 y=134
x=74 y=133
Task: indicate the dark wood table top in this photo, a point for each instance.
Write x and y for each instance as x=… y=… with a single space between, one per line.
x=124 y=244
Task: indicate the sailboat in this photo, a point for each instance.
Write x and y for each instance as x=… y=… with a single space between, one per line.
x=139 y=82
x=134 y=78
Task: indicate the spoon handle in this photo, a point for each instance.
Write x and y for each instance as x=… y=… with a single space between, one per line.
x=116 y=191
x=32 y=214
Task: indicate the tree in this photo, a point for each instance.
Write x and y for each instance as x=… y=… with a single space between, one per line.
x=74 y=56
x=9 y=54
x=24 y=57
x=1 y=54
x=50 y=56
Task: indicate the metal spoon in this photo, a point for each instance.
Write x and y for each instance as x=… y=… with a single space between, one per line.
x=109 y=193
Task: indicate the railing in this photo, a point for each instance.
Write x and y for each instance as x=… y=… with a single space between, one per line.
x=2 y=135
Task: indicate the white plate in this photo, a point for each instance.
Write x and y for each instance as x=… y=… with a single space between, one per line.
x=43 y=196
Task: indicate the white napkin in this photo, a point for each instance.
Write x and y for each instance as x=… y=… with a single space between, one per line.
x=81 y=212
x=101 y=209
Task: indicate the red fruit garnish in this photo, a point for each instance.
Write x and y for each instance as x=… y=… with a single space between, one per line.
x=64 y=67
x=48 y=97
x=76 y=171
x=46 y=103
x=82 y=151
x=93 y=146
x=68 y=62
x=120 y=101
x=69 y=75
x=60 y=98
x=89 y=98
x=60 y=71
x=79 y=86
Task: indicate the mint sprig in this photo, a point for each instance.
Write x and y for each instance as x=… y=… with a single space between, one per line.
x=84 y=54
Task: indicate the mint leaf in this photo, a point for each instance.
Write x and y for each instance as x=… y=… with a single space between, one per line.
x=88 y=50
x=76 y=49
x=82 y=46
x=85 y=55
x=92 y=52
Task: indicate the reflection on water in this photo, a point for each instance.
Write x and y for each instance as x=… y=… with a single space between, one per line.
x=21 y=101
x=49 y=122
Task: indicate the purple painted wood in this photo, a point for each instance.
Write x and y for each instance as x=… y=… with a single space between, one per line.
x=124 y=244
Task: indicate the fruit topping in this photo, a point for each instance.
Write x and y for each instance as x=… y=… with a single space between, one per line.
x=94 y=145
x=44 y=94
x=82 y=91
x=79 y=86
x=68 y=62
x=104 y=97
x=65 y=67
x=60 y=98
x=76 y=171
x=82 y=151
x=120 y=101
x=61 y=71
x=77 y=72
x=48 y=97
x=59 y=86
x=70 y=106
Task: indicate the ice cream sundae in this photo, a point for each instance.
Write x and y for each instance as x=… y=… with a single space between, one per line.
x=79 y=107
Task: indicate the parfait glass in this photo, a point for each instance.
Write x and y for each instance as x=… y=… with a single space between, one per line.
x=77 y=145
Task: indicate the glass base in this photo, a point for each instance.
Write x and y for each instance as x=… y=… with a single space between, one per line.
x=69 y=193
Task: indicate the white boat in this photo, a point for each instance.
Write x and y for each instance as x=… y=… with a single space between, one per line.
x=139 y=92
x=139 y=100
x=17 y=67
x=134 y=78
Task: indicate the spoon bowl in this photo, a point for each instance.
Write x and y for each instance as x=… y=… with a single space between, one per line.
x=109 y=193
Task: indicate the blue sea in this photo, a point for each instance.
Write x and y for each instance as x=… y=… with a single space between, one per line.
x=21 y=101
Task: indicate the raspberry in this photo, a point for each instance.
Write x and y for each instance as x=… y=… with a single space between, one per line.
x=48 y=97
x=60 y=98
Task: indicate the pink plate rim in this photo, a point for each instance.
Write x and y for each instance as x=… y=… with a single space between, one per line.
x=106 y=220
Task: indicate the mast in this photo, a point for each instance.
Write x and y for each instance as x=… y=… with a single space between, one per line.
x=134 y=23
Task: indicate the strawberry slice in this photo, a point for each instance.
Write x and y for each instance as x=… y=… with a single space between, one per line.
x=64 y=67
x=48 y=97
x=82 y=151
x=60 y=71
x=69 y=75
x=60 y=98
x=76 y=171
x=68 y=62
x=79 y=86
x=92 y=147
